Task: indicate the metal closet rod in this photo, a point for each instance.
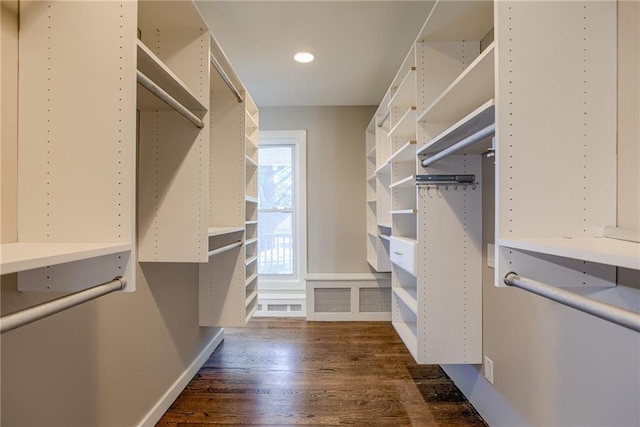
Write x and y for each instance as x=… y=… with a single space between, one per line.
x=470 y=140
x=226 y=78
x=384 y=118
x=619 y=316
x=168 y=99
x=46 y=309
x=224 y=248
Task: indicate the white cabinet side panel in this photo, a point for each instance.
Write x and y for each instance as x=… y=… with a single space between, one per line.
x=556 y=118
x=77 y=122
x=173 y=189
x=222 y=290
x=227 y=159
x=450 y=268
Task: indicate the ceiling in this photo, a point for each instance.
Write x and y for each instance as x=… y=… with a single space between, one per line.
x=358 y=46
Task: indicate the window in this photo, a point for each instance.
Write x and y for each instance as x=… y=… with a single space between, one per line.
x=275 y=210
x=281 y=201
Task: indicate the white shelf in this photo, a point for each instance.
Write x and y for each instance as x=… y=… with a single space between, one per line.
x=251 y=199
x=385 y=237
x=600 y=250
x=251 y=123
x=251 y=260
x=250 y=222
x=220 y=231
x=479 y=119
x=408 y=336
x=403 y=212
x=372 y=154
x=251 y=278
x=384 y=225
x=407 y=182
x=26 y=256
x=406 y=153
x=155 y=69
x=384 y=169
x=251 y=162
x=405 y=95
x=251 y=297
x=406 y=126
x=250 y=144
x=469 y=90
x=409 y=296
x=372 y=201
x=250 y=241
x=372 y=177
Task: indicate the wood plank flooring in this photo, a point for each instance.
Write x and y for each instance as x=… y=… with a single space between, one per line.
x=286 y=372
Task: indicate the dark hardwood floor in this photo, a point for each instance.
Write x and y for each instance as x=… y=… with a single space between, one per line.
x=288 y=372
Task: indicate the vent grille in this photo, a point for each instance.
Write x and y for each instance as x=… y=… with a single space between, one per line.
x=375 y=300
x=277 y=307
x=332 y=300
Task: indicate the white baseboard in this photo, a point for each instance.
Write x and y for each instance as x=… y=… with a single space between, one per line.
x=158 y=410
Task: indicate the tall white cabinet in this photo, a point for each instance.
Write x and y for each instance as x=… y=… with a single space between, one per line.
x=549 y=98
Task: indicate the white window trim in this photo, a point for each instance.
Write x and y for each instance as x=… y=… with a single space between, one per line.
x=299 y=139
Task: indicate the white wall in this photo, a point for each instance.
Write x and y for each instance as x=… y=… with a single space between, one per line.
x=336 y=204
x=555 y=366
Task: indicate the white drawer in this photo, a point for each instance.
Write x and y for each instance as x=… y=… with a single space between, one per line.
x=403 y=253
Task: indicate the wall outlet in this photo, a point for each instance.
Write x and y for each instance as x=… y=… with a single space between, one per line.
x=488 y=369
x=491 y=255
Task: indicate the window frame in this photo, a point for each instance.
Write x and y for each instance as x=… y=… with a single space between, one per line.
x=297 y=139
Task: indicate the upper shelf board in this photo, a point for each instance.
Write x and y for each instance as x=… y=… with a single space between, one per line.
x=26 y=256
x=153 y=67
x=220 y=231
x=473 y=87
x=600 y=250
x=406 y=153
x=479 y=119
x=405 y=94
x=406 y=126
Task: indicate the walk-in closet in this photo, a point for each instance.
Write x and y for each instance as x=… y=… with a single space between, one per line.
x=458 y=213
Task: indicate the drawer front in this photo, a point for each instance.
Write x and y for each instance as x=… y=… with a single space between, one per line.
x=403 y=254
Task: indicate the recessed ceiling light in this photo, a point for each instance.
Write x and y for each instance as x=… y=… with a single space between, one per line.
x=303 y=57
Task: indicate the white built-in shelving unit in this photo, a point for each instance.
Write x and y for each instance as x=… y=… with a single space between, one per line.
x=445 y=81
x=460 y=95
x=157 y=162
x=229 y=280
x=377 y=231
x=76 y=168
x=558 y=191
x=173 y=171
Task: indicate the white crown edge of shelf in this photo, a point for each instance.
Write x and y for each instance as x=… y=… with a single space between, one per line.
x=460 y=130
x=601 y=250
x=24 y=256
x=222 y=230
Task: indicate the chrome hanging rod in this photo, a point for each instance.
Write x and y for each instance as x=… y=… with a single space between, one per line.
x=384 y=118
x=224 y=249
x=226 y=79
x=168 y=99
x=470 y=140
x=46 y=309
x=611 y=313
